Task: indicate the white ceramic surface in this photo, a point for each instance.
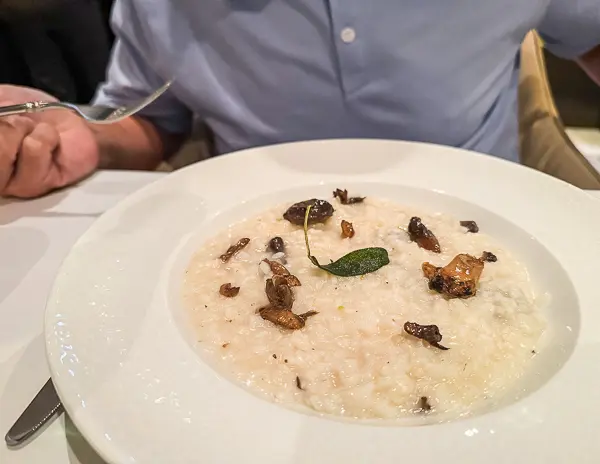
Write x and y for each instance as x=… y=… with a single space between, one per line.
x=587 y=141
x=124 y=363
x=35 y=237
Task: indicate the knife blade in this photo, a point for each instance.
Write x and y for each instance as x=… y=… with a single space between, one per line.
x=42 y=408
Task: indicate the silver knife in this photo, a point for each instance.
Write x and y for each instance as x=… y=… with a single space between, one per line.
x=44 y=407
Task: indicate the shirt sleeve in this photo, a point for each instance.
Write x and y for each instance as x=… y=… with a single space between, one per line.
x=131 y=77
x=571 y=28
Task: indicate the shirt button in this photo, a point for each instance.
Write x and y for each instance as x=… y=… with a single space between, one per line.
x=348 y=35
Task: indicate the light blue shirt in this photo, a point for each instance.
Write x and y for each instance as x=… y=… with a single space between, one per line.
x=261 y=72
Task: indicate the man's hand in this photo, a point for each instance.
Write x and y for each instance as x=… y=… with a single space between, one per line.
x=44 y=151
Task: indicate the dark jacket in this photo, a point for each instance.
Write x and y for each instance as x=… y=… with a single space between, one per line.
x=20 y=8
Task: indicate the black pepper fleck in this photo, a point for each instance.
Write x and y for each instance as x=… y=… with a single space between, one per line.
x=424 y=405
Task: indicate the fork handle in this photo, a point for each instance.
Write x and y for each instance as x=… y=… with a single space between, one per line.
x=23 y=108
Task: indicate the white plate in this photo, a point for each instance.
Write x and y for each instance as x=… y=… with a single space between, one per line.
x=125 y=367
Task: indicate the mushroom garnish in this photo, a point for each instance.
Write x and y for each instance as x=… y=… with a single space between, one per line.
x=276 y=245
x=458 y=279
x=342 y=195
x=229 y=291
x=420 y=234
x=471 y=226
x=281 y=300
x=320 y=212
x=347 y=229
x=234 y=249
x=429 y=333
x=284 y=317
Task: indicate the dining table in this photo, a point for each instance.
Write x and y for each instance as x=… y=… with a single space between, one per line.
x=35 y=236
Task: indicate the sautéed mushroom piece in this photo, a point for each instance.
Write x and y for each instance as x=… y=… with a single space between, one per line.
x=276 y=245
x=489 y=257
x=420 y=234
x=471 y=226
x=458 y=279
x=229 y=291
x=320 y=212
x=347 y=229
x=342 y=195
x=234 y=249
x=284 y=317
x=429 y=333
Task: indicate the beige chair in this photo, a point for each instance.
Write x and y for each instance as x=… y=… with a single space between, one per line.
x=544 y=144
x=197 y=148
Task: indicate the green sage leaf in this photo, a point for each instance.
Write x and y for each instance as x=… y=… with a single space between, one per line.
x=355 y=263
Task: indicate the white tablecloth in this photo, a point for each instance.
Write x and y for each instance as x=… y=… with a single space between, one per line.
x=587 y=141
x=34 y=238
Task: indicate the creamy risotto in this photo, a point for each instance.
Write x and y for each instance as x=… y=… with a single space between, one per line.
x=361 y=349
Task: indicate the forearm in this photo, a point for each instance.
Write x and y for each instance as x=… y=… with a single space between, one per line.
x=590 y=63
x=134 y=143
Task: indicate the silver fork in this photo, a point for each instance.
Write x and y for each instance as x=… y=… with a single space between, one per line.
x=92 y=114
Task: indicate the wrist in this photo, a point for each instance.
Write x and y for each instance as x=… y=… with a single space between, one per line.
x=134 y=143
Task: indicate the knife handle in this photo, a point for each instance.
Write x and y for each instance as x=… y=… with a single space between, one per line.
x=44 y=407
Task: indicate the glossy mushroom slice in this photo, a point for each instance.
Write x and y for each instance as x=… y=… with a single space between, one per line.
x=276 y=245
x=284 y=317
x=471 y=226
x=281 y=274
x=320 y=212
x=229 y=291
x=277 y=268
x=489 y=257
x=234 y=249
x=429 y=333
x=342 y=195
x=347 y=229
x=279 y=293
x=458 y=279
x=281 y=299
x=420 y=234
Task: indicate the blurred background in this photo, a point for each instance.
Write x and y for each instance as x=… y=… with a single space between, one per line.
x=63 y=47
x=59 y=46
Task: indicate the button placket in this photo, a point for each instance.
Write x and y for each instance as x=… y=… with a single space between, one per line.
x=348 y=43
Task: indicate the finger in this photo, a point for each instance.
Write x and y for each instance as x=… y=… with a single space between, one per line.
x=35 y=172
x=13 y=130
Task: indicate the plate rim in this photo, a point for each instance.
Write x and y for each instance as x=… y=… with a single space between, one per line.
x=114 y=454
